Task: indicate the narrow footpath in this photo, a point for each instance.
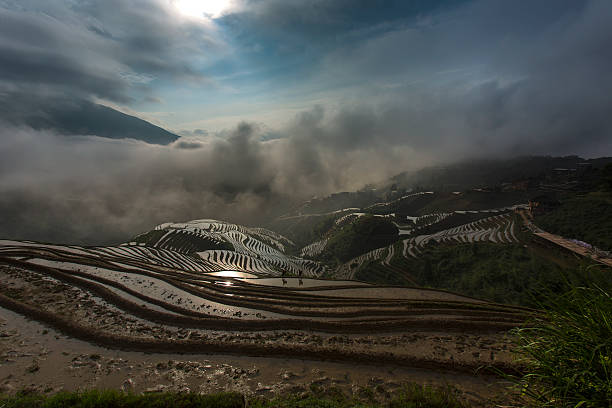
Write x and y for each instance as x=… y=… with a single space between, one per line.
x=563 y=242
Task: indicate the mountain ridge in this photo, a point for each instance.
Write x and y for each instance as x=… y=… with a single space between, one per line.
x=73 y=117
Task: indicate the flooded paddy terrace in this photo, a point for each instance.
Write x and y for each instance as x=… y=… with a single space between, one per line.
x=127 y=304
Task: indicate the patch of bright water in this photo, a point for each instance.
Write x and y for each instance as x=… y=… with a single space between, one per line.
x=232 y=274
x=162 y=290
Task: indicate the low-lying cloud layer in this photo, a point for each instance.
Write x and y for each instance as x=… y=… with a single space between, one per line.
x=94 y=190
x=387 y=92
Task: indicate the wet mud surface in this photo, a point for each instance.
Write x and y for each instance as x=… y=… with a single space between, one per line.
x=77 y=305
x=68 y=321
x=35 y=357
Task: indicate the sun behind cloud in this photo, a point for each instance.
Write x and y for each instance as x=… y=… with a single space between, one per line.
x=201 y=8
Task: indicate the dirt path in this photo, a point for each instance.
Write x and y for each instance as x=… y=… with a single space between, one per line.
x=572 y=246
x=563 y=242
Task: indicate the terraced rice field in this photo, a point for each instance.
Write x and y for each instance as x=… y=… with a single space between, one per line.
x=158 y=300
x=230 y=246
x=497 y=229
x=389 y=204
x=314 y=249
x=500 y=228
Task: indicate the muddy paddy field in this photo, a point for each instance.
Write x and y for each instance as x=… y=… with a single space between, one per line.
x=103 y=324
x=35 y=357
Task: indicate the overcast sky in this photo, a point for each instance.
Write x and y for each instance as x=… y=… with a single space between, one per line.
x=209 y=64
x=287 y=97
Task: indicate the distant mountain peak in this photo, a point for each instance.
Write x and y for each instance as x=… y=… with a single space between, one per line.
x=81 y=117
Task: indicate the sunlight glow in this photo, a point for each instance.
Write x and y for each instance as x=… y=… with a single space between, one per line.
x=201 y=8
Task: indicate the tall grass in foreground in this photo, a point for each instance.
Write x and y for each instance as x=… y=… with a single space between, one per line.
x=568 y=351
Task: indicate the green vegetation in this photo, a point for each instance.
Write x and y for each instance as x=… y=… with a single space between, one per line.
x=568 y=351
x=339 y=201
x=500 y=273
x=471 y=200
x=304 y=230
x=508 y=273
x=449 y=222
x=416 y=396
x=411 y=396
x=116 y=399
x=359 y=237
x=409 y=205
x=323 y=226
x=584 y=217
x=375 y=272
x=606 y=178
x=489 y=172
